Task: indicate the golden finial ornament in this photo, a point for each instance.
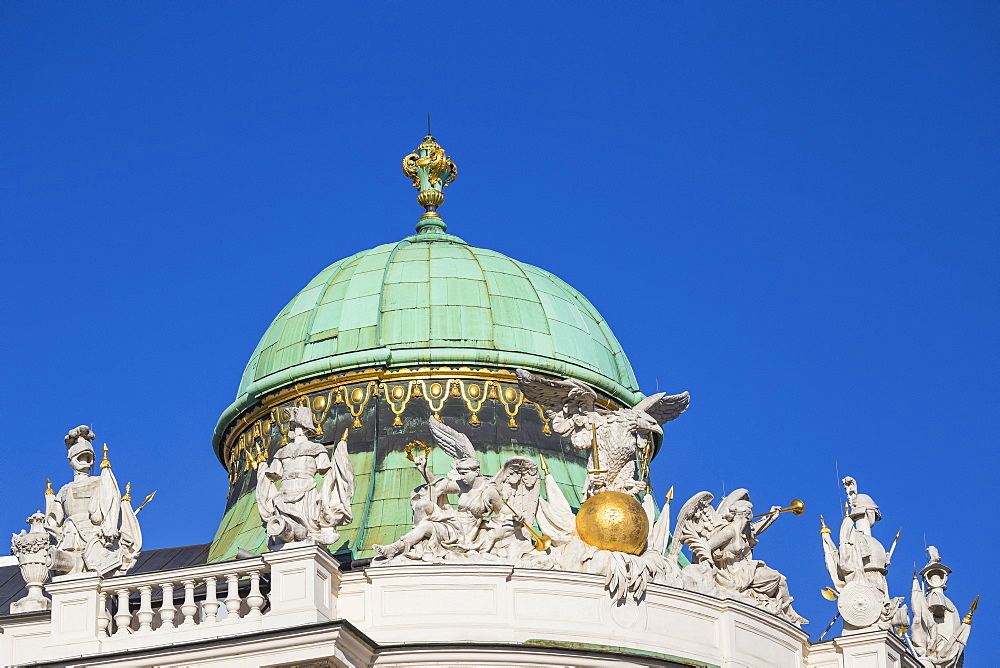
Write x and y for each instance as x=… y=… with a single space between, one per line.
x=430 y=169
x=344 y=437
x=128 y=492
x=972 y=608
x=823 y=528
x=48 y=488
x=670 y=495
x=105 y=463
x=544 y=464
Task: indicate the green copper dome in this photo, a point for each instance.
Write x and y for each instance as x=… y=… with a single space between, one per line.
x=384 y=342
x=433 y=299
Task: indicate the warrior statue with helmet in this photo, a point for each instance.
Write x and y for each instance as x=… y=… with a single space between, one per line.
x=858 y=567
x=93 y=525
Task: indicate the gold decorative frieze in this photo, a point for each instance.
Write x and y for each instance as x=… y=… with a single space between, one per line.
x=250 y=437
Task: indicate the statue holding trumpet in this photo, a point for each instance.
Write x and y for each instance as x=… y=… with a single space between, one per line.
x=721 y=541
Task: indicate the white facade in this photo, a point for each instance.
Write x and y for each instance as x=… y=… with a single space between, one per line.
x=304 y=611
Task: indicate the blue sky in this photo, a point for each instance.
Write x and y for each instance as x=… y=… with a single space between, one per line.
x=788 y=209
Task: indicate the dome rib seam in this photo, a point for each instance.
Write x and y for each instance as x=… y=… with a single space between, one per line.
x=333 y=279
x=381 y=291
x=548 y=328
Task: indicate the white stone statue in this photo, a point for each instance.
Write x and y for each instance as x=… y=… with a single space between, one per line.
x=938 y=633
x=32 y=551
x=298 y=513
x=721 y=541
x=93 y=525
x=620 y=434
x=494 y=523
x=483 y=527
x=858 y=567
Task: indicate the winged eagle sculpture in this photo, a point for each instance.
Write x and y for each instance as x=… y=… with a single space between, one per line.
x=621 y=434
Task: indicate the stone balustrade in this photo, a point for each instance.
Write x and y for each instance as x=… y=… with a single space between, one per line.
x=295 y=606
x=201 y=595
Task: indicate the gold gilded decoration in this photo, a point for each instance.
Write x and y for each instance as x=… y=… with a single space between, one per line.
x=128 y=492
x=149 y=497
x=430 y=159
x=540 y=541
x=397 y=397
x=613 y=521
x=543 y=464
x=597 y=472
x=105 y=463
x=48 y=488
x=829 y=593
x=797 y=507
x=546 y=429
x=413 y=445
x=430 y=198
x=972 y=608
x=511 y=401
x=361 y=397
x=823 y=528
x=249 y=438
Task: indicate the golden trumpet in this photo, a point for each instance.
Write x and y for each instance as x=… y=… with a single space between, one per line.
x=541 y=542
x=797 y=507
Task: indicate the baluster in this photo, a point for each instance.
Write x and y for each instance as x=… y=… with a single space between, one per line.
x=211 y=604
x=254 y=599
x=167 y=606
x=123 y=618
x=233 y=596
x=189 y=607
x=103 y=617
x=145 y=613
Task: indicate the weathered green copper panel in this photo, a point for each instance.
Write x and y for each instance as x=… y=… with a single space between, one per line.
x=434 y=292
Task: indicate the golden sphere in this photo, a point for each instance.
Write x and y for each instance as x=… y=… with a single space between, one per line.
x=613 y=521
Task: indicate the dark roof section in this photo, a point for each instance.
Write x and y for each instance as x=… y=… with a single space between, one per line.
x=12 y=586
x=171 y=558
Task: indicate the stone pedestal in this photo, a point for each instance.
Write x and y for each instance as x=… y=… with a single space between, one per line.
x=304 y=585
x=74 y=614
x=868 y=649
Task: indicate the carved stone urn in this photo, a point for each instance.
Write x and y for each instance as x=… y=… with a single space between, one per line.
x=32 y=551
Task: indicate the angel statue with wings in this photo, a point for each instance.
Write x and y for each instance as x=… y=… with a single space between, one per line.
x=620 y=435
x=298 y=512
x=486 y=524
x=721 y=541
